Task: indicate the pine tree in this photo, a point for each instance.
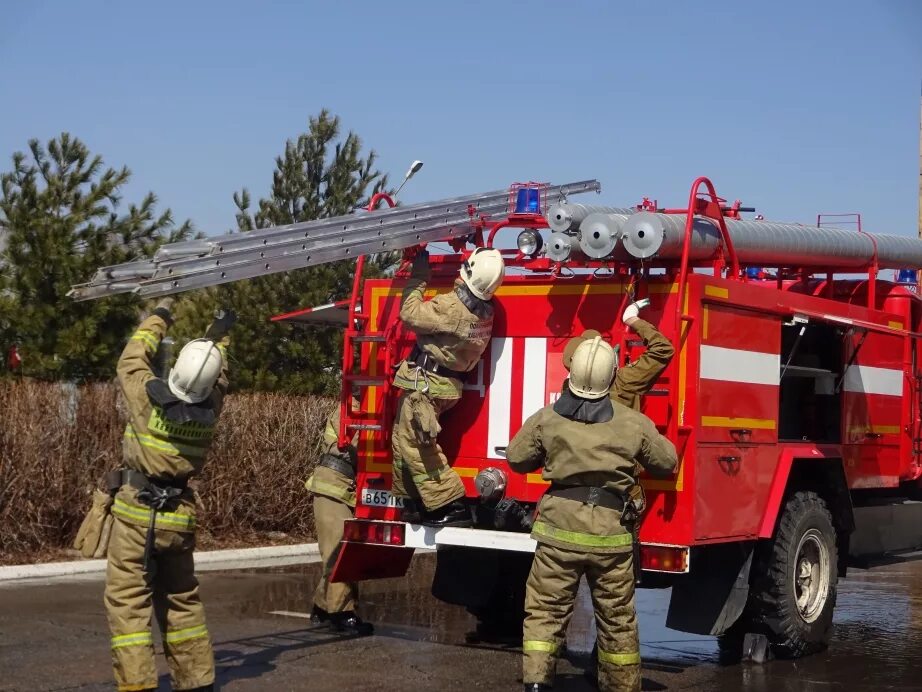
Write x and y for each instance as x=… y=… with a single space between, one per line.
x=317 y=176
x=62 y=211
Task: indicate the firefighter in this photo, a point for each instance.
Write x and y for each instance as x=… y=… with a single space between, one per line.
x=452 y=331
x=636 y=379
x=150 y=564
x=333 y=486
x=588 y=445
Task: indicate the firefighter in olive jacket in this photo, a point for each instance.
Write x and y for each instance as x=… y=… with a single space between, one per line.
x=333 y=486
x=588 y=446
x=452 y=331
x=150 y=564
x=634 y=380
x=637 y=378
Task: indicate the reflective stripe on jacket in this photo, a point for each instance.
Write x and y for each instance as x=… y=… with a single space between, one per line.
x=578 y=453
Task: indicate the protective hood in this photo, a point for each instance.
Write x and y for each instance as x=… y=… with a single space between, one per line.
x=177 y=410
x=480 y=307
x=576 y=408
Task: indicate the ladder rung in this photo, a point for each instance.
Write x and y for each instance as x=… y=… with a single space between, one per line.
x=658 y=392
x=369 y=337
x=364 y=426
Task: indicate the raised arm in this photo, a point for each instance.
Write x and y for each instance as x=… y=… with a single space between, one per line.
x=636 y=379
x=135 y=365
x=420 y=315
x=219 y=332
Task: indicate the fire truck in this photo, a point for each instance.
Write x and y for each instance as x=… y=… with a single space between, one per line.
x=793 y=398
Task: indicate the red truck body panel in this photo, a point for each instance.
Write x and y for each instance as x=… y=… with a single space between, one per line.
x=719 y=400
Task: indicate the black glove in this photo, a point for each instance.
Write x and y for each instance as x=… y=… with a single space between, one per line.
x=163 y=310
x=224 y=319
x=420 y=268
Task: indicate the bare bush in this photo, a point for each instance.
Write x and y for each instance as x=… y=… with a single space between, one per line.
x=57 y=442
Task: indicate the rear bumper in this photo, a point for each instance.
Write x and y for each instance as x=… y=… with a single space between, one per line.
x=368 y=552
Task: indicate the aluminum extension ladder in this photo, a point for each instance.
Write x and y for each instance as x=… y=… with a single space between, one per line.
x=192 y=264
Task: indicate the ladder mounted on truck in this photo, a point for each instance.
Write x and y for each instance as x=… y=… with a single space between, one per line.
x=205 y=262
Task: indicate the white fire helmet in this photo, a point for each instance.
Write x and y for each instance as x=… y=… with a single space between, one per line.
x=592 y=369
x=196 y=370
x=483 y=272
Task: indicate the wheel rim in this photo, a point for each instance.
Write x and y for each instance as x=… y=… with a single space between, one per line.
x=811 y=575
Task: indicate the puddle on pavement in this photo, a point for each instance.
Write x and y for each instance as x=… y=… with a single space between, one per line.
x=406 y=607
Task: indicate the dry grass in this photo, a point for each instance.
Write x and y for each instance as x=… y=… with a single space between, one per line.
x=56 y=442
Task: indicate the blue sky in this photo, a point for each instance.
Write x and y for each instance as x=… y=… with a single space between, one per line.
x=795 y=107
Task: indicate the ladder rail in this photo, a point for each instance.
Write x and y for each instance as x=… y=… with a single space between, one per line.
x=222 y=259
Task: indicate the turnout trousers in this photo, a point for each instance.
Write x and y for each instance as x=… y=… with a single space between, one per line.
x=421 y=469
x=549 y=598
x=169 y=590
x=329 y=515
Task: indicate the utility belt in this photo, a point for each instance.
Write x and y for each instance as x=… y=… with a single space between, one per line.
x=338 y=464
x=153 y=493
x=612 y=499
x=424 y=361
x=139 y=481
x=589 y=495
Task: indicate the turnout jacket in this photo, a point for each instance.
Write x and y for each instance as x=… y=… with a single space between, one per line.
x=452 y=328
x=155 y=445
x=330 y=482
x=577 y=453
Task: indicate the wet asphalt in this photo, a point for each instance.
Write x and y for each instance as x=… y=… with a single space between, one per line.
x=54 y=637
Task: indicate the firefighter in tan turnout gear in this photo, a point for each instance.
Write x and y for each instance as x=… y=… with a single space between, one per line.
x=150 y=564
x=588 y=445
x=333 y=486
x=452 y=331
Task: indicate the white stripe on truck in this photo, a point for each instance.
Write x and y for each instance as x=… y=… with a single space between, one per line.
x=736 y=365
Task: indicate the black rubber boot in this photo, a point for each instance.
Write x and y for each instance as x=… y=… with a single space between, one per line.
x=319 y=615
x=350 y=623
x=537 y=687
x=453 y=514
x=411 y=511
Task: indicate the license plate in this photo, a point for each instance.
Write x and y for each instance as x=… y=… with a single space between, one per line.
x=380 y=498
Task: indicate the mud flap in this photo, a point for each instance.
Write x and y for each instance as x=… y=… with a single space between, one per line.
x=362 y=561
x=711 y=597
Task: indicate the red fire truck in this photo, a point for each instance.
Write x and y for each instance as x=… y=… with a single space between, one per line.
x=793 y=401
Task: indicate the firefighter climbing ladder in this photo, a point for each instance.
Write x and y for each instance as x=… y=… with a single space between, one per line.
x=223 y=259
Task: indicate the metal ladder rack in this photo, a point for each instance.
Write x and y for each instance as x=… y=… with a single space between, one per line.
x=232 y=257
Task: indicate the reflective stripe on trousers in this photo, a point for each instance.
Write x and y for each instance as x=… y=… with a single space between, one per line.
x=537 y=645
x=133 y=639
x=183 y=635
x=631 y=658
x=166 y=520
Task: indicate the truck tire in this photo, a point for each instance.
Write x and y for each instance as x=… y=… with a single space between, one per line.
x=795 y=573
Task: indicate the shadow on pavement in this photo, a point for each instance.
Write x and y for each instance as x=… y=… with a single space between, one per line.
x=256 y=655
